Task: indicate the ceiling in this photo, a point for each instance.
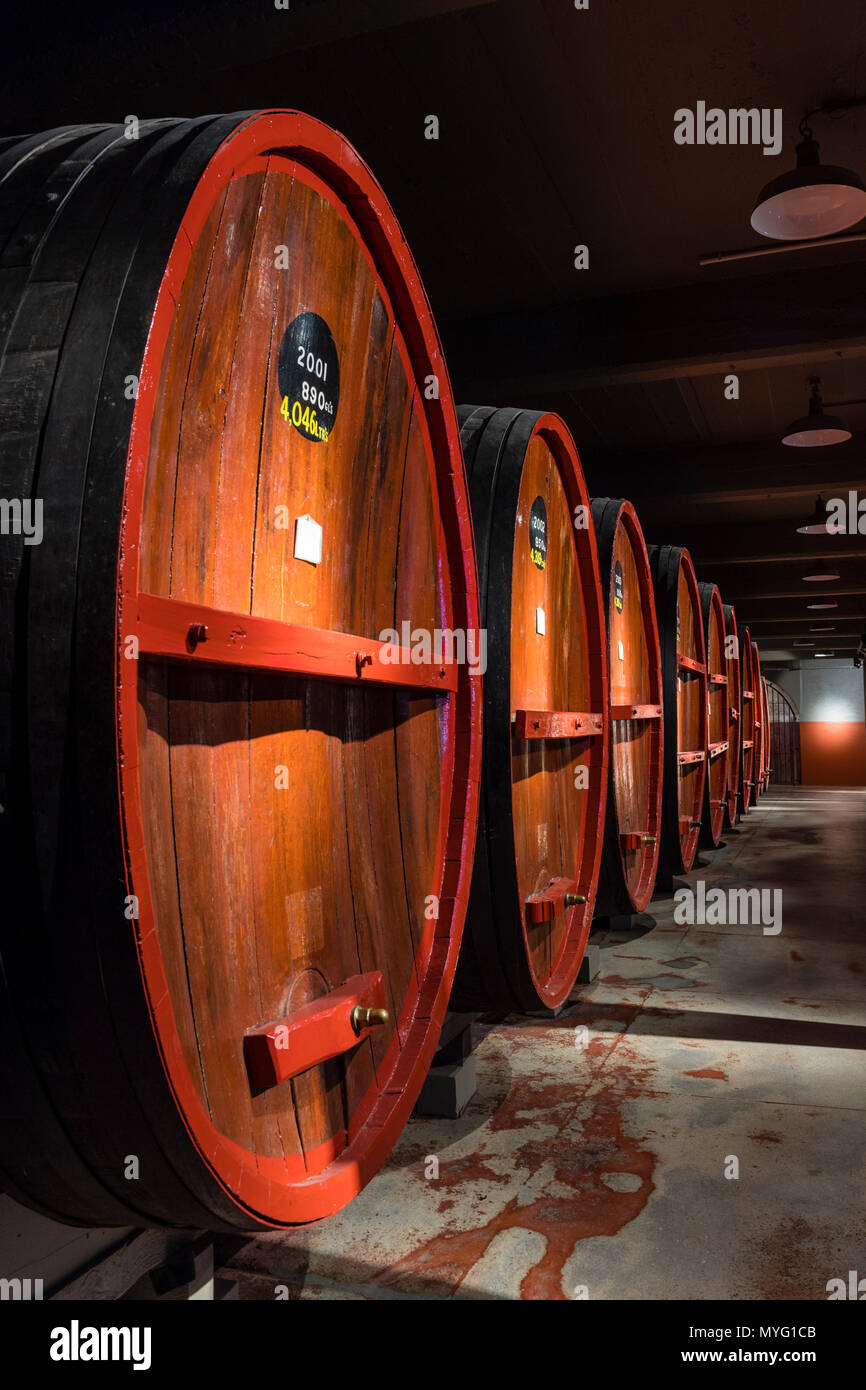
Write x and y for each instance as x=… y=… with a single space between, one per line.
x=556 y=129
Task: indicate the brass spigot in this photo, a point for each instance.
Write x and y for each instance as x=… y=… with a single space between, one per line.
x=368 y=1018
x=574 y=900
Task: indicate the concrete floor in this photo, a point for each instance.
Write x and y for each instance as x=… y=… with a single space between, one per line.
x=591 y=1161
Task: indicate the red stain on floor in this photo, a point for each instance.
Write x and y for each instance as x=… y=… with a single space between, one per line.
x=856 y=967
x=580 y=1158
x=795 y=955
x=766 y=1137
x=712 y=1072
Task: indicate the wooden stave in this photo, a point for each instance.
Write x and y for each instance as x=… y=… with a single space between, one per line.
x=666 y=561
x=735 y=731
x=712 y=818
x=50 y=746
x=198 y=1196
x=614 y=896
x=493 y=973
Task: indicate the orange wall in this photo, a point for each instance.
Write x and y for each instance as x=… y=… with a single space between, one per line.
x=832 y=755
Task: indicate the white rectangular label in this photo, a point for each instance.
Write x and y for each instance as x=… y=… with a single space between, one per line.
x=539 y=621
x=308 y=540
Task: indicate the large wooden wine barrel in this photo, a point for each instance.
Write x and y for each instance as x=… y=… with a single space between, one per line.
x=545 y=713
x=634 y=801
x=684 y=684
x=749 y=707
x=718 y=715
x=735 y=736
x=758 y=693
x=242 y=782
x=766 y=735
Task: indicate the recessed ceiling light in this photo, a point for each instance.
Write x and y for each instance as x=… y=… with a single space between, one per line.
x=822 y=605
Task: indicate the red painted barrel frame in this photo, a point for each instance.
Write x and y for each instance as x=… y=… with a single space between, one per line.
x=735 y=732
x=758 y=692
x=748 y=715
x=679 y=833
x=718 y=714
x=653 y=713
x=246 y=1177
x=560 y=981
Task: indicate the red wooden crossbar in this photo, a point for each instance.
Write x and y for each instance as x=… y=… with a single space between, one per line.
x=689 y=663
x=635 y=711
x=716 y=748
x=549 y=723
x=716 y=679
x=691 y=757
x=172 y=628
x=636 y=839
x=325 y=1028
x=544 y=906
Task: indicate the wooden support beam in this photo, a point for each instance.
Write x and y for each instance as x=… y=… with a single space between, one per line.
x=715 y=326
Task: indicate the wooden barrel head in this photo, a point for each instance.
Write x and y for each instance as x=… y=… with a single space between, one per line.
x=750 y=747
x=545 y=702
x=271 y=782
x=633 y=823
x=718 y=716
x=734 y=701
x=684 y=680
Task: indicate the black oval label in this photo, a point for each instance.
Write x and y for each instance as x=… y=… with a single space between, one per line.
x=538 y=533
x=308 y=372
x=617 y=587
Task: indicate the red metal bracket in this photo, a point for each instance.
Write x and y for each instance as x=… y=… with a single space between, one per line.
x=747 y=743
x=189 y=631
x=688 y=663
x=635 y=711
x=547 y=723
x=733 y=714
x=715 y=749
x=716 y=679
x=690 y=757
x=636 y=839
x=747 y=695
x=325 y=1028
x=558 y=895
